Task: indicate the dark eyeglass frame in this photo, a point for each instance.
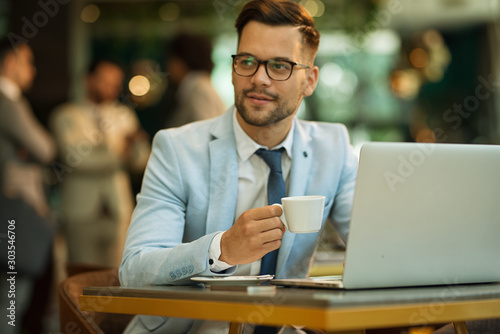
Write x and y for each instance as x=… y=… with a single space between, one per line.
x=265 y=62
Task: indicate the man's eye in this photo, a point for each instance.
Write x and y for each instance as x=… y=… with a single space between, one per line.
x=247 y=62
x=280 y=66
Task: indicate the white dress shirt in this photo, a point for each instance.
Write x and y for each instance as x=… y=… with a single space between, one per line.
x=253 y=175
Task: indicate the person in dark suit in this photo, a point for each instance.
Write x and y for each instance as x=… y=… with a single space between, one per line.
x=25 y=146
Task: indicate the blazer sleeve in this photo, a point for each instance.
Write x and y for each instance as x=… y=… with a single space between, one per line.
x=341 y=211
x=155 y=252
x=19 y=122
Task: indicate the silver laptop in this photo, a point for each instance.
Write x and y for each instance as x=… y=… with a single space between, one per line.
x=423 y=214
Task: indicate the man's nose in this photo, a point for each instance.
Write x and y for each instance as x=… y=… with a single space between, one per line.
x=260 y=77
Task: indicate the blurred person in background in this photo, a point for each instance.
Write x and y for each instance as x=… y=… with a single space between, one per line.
x=101 y=142
x=27 y=234
x=189 y=67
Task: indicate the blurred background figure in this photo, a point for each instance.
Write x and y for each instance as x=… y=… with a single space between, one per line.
x=101 y=143
x=25 y=146
x=189 y=67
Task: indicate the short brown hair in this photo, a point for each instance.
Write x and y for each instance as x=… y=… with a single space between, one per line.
x=278 y=13
x=194 y=49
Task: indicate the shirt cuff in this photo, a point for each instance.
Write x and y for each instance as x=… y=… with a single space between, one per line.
x=214 y=253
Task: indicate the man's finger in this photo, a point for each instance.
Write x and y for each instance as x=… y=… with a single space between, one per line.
x=265 y=225
x=272 y=235
x=270 y=211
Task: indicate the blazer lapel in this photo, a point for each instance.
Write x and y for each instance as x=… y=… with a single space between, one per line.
x=224 y=179
x=223 y=190
x=301 y=164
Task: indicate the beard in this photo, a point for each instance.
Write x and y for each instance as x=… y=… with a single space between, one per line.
x=260 y=116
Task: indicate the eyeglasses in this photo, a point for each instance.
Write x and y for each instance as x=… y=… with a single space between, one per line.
x=276 y=69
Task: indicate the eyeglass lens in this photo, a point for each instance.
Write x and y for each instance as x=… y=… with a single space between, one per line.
x=276 y=69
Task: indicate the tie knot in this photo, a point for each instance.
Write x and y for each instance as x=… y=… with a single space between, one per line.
x=272 y=158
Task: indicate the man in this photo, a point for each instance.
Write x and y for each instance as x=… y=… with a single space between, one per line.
x=203 y=208
x=189 y=68
x=25 y=146
x=99 y=140
x=23 y=137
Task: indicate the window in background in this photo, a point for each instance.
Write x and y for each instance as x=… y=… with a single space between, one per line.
x=353 y=88
x=224 y=47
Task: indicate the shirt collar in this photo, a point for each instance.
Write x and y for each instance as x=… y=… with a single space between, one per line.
x=246 y=147
x=10 y=89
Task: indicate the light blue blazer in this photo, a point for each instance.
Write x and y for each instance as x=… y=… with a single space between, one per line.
x=190 y=189
x=189 y=193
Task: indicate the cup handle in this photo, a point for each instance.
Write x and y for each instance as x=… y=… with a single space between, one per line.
x=282 y=217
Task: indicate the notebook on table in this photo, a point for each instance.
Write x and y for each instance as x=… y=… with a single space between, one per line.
x=423 y=214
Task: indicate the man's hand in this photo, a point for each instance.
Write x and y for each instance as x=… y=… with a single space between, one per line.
x=254 y=234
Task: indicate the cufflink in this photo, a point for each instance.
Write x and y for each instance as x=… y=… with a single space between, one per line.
x=210 y=261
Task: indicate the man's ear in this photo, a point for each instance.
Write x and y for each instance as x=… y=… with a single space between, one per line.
x=311 y=80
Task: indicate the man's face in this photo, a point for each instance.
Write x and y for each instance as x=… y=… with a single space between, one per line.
x=259 y=100
x=105 y=84
x=25 y=68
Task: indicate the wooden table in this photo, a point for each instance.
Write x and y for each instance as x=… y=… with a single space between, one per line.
x=334 y=311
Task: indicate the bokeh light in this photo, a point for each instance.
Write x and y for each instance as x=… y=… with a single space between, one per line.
x=315 y=7
x=405 y=83
x=169 y=11
x=330 y=74
x=90 y=13
x=419 y=58
x=139 y=85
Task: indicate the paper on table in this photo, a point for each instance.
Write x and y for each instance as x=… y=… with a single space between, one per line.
x=244 y=277
x=233 y=280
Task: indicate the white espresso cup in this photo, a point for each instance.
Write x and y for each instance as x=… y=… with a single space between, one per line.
x=302 y=214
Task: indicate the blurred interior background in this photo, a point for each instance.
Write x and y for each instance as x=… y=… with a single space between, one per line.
x=398 y=70
x=391 y=70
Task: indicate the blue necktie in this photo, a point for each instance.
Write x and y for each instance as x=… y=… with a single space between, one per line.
x=276 y=190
